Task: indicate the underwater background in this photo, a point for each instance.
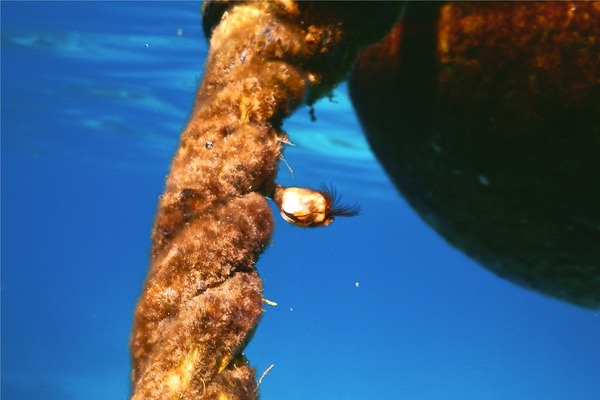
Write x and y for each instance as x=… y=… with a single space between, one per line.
x=94 y=95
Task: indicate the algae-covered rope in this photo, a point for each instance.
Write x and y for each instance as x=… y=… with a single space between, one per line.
x=203 y=296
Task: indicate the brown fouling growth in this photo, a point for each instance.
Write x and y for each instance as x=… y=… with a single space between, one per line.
x=203 y=296
x=486 y=116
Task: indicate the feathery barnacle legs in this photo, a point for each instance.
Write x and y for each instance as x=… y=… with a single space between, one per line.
x=311 y=208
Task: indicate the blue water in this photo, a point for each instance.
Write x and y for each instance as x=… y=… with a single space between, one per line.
x=94 y=95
